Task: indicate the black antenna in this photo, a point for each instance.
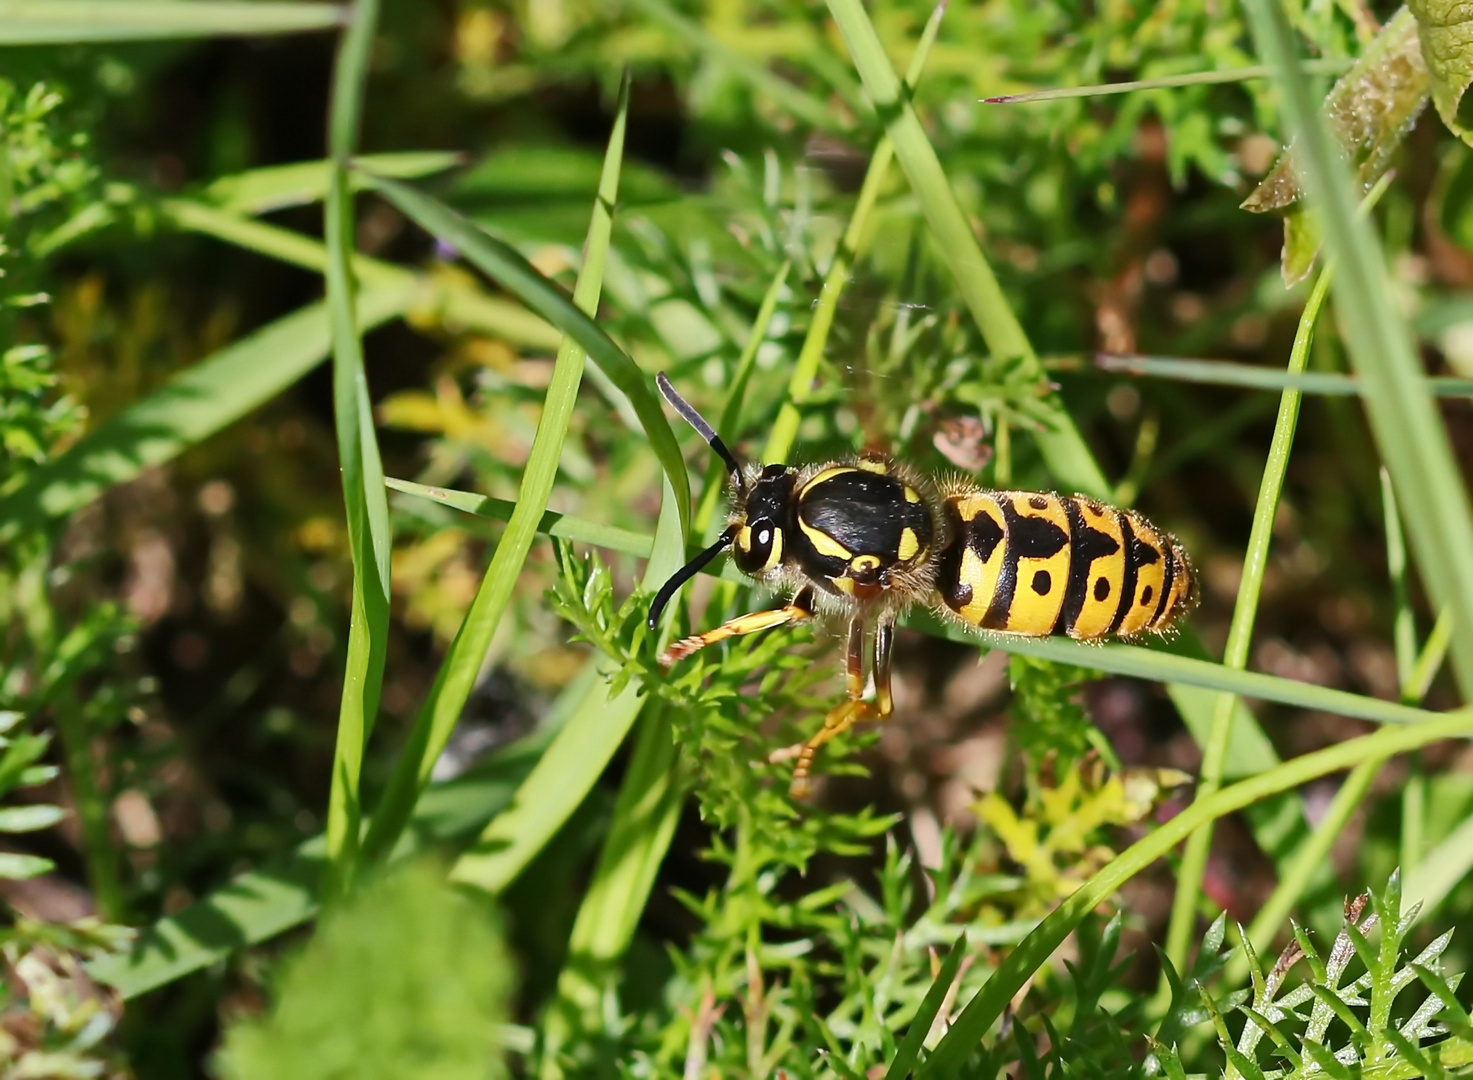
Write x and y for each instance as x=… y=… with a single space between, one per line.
x=706 y=431
x=690 y=569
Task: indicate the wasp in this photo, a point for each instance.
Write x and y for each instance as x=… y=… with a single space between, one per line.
x=863 y=540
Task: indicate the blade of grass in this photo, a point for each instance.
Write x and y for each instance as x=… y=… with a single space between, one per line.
x=920 y=1025
x=1240 y=636
x=1253 y=377
x=365 y=499
x=805 y=370
x=1063 y=448
x=1013 y=973
x=505 y=264
x=260 y=191
x=187 y=410
x=67 y=22
x=1332 y=66
x=573 y=764
x=1408 y=430
x=448 y=301
x=1160 y=666
x=1432 y=880
x=457 y=674
x=643 y=824
x=1307 y=862
x=1404 y=627
x=1429 y=661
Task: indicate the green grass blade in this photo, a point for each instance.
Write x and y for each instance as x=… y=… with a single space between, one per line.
x=563 y=526
x=573 y=764
x=1332 y=66
x=1253 y=377
x=1404 y=625
x=1429 y=660
x=1161 y=666
x=1431 y=880
x=1013 y=973
x=1065 y=451
x=453 y=303
x=260 y=191
x=920 y=1025
x=365 y=498
x=1408 y=430
x=457 y=674
x=1307 y=862
x=66 y=22
x=644 y=820
x=805 y=370
x=1240 y=633
x=258 y=905
x=505 y=264
x=187 y=410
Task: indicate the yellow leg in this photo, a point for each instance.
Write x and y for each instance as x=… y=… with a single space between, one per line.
x=853 y=711
x=800 y=610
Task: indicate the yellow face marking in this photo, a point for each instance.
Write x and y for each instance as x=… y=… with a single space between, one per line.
x=823 y=543
x=871 y=465
x=864 y=564
x=980 y=577
x=909 y=545
x=1149 y=578
x=744 y=538
x=912 y=495
x=777 y=551
x=1039 y=593
x=1106 y=575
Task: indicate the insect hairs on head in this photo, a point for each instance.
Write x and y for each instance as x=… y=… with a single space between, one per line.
x=707 y=432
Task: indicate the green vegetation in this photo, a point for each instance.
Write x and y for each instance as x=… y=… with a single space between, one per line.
x=332 y=736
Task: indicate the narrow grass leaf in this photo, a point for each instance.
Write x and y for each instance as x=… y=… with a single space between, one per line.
x=987 y=1006
x=564 y=526
x=1064 y=450
x=260 y=191
x=1164 y=82
x=1240 y=630
x=68 y=22
x=1444 y=868
x=575 y=761
x=1253 y=377
x=457 y=674
x=505 y=264
x=1408 y=430
x=851 y=247
x=920 y=1025
x=364 y=496
x=1404 y=620
x=447 y=301
x=187 y=410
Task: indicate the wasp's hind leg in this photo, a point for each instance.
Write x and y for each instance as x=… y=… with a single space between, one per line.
x=854 y=710
x=799 y=609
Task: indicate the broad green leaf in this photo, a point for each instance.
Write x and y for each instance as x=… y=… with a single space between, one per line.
x=408 y=978
x=1447 y=47
x=187 y=410
x=364 y=497
x=260 y=191
x=1368 y=111
x=505 y=264
x=65 y=22
x=458 y=671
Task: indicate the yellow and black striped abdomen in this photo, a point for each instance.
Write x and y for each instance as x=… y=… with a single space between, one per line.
x=1023 y=562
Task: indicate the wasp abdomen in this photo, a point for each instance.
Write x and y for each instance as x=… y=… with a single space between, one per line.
x=1022 y=562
